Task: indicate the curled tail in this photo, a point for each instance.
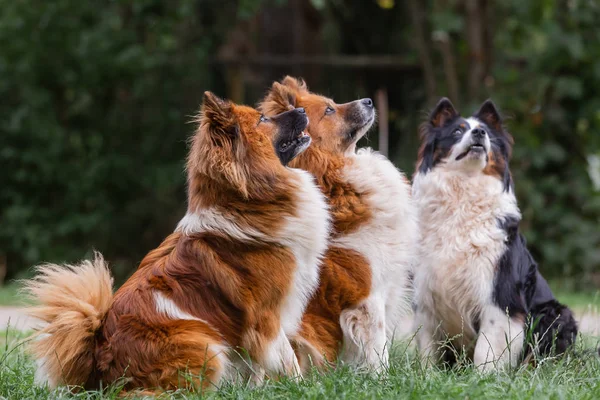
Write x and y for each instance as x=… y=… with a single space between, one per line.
x=71 y=301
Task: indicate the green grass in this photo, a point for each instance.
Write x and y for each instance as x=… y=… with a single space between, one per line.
x=580 y=301
x=573 y=377
x=9 y=295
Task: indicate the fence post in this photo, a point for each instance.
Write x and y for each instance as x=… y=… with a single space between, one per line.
x=235 y=79
x=381 y=102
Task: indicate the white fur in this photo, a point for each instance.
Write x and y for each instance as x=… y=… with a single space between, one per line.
x=389 y=242
x=472 y=163
x=466 y=139
x=222 y=354
x=166 y=306
x=280 y=357
x=41 y=376
x=306 y=234
x=474 y=123
x=364 y=329
x=459 y=210
x=500 y=340
x=212 y=220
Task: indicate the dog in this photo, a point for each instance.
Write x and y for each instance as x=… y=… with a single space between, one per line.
x=364 y=286
x=477 y=284
x=232 y=281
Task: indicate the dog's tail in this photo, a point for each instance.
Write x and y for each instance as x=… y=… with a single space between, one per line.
x=71 y=301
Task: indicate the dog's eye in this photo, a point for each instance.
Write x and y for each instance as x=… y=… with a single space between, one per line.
x=458 y=132
x=263 y=119
x=329 y=110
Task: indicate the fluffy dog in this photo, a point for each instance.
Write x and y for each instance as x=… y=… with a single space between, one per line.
x=476 y=282
x=234 y=277
x=364 y=283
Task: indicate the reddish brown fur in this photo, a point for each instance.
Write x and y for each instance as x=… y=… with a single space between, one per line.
x=496 y=165
x=325 y=157
x=232 y=168
x=208 y=276
x=345 y=282
x=346 y=275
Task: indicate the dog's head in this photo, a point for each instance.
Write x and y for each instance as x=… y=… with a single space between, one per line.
x=479 y=143
x=239 y=146
x=334 y=128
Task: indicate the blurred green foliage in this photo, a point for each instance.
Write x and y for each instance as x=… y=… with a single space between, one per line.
x=96 y=97
x=95 y=100
x=548 y=79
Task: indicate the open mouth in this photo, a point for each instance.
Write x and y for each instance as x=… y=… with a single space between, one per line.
x=476 y=148
x=301 y=140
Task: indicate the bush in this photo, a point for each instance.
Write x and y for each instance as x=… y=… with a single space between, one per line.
x=94 y=110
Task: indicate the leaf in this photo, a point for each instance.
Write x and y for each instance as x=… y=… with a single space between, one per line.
x=568 y=87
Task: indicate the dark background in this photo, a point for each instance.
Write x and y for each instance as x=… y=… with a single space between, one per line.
x=96 y=99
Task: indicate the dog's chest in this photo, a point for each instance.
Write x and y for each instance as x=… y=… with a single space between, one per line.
x=305 y=233
x=388 y=239
x=462 y=242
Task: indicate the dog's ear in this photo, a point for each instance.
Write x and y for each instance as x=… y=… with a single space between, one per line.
x=489 y=114
x=217 y=114
x=442 y=113
x=281 y=98
x=298 y=84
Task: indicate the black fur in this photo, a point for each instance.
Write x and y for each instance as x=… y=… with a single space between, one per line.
x=520 y=289
x=290 y=125
x=513 y=272
x=553 y=322
x=444 y=128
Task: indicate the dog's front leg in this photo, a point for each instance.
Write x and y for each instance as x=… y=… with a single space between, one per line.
x=501 y=339
x=426 y=328
x=364 y=329
x=280 y=357
x=273 y=352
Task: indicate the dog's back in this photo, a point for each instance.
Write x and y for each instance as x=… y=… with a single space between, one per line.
x=232 y=281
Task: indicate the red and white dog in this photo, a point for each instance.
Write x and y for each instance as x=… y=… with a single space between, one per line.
x=234 y=278
x=365 y=278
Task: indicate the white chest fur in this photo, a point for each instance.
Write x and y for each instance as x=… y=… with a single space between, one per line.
x=389 y=240
x=461 y=245
x=306 y=234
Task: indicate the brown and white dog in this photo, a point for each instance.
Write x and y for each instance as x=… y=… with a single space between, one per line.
x=365 y=285
x=478 y=290
x=234 y=277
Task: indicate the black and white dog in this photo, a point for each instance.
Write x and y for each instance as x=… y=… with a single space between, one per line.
x=477 y=288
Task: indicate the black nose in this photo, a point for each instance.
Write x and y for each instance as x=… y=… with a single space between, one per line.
x=478 y=133
x=367 y=102
x=301 y=110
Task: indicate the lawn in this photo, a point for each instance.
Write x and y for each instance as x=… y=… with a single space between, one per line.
x=9 y=295
x=573 y=377
x=576 y=376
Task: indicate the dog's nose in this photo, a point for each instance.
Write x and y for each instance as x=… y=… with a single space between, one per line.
x=478 y=133
x=301 y=110
x=367 y=102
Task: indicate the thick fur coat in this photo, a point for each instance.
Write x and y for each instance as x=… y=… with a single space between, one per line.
x=227 y=288
x=478 y=290
x=365 y=279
